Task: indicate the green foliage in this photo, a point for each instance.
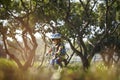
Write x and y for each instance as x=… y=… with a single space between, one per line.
x=101 y=14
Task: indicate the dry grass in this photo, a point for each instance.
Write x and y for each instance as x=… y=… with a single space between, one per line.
x=97 y=71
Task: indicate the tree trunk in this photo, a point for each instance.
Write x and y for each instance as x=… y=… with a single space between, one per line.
x=85 y=63
x=29 y=61
x=11 y=55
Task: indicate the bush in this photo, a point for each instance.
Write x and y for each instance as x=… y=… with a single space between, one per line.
x=8 y=70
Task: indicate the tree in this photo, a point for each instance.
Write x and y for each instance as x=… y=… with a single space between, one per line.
x=91 y=19
x=19 y=19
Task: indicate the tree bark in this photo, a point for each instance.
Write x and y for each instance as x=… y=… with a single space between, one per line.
x=85 y=63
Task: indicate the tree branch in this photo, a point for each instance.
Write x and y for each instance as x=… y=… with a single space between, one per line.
x=72 y=47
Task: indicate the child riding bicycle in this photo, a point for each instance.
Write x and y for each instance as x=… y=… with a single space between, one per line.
x=57 y=50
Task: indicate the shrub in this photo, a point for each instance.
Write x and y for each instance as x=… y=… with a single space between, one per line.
x=8 y=70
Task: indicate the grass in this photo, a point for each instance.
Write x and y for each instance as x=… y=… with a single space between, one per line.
x=97 y=71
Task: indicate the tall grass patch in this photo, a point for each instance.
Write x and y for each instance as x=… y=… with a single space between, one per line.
x=9 y=70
